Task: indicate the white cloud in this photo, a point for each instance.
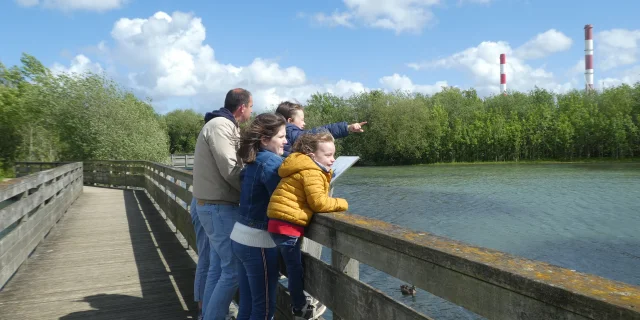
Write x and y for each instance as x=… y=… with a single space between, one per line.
x=543 y=45
x=28 y=3
x=263 y=72
x=166 y=58
x=410 y=16
x=403 y=83
x=630 y=76
x=335 y=19
x=578 y=68
x=482 y=63
x=399 y=15
x=461 y=2
x=71 y=5
x=618 y=47
x=269 y=98
x=79 y=64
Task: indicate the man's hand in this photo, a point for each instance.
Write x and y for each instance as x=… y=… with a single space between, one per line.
x=356 y=127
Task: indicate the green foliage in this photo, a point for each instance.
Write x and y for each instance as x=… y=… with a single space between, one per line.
x=183 y=127
x=48 y=117
x=457 y=126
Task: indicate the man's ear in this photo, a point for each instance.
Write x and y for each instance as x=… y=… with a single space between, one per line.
x=240 y=110
x=289 y=120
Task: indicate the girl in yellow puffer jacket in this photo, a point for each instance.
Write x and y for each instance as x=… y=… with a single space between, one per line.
x=302 y=191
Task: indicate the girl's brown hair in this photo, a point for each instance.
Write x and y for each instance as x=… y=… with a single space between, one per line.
x=308 y=142
x=265 y=125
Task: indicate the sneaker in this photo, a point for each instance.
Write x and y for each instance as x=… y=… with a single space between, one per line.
x=320 y=309
x=309 y=311
x=312 y=301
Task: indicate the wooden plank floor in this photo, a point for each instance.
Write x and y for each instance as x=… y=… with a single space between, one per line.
x=112 y=256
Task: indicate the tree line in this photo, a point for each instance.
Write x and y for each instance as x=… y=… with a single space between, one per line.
x=72 y=117
x=457 y=125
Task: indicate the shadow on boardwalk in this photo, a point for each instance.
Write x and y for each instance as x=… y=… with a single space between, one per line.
x=165 y=271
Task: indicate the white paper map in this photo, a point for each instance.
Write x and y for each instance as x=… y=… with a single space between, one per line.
x=341 y=165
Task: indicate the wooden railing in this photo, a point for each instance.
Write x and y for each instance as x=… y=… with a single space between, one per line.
x=29 y=207
x=490 y=283
x=182 y=160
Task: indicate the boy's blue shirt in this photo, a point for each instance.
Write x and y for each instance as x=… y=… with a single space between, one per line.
x=338 y=130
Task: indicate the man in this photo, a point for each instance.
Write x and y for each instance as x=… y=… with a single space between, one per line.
x=216 y=189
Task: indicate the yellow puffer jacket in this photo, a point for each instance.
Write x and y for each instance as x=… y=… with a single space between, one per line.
x=303 y=190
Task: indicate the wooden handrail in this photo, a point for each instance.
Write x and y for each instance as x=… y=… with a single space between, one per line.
x=29 y=207
x=490 y=283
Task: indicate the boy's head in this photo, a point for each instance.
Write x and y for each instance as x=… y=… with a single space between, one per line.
x=292 y=112
x=319 y=146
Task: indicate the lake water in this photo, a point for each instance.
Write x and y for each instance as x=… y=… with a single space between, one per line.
x=579 y=216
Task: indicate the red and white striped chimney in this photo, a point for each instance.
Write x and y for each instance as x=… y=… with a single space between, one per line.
x=588 y=57
x=503 y=75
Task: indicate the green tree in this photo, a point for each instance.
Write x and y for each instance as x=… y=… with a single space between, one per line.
x=88 y=116
x=183 y=127
x=46 y=117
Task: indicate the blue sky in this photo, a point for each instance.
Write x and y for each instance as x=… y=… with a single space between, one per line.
x=187 y=54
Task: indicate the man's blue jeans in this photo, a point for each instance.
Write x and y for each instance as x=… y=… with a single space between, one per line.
x=222 y=280
x=202 y=244
x=258 y=276
x=289 y=247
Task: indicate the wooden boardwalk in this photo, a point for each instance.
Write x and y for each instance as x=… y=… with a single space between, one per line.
x=112 y=256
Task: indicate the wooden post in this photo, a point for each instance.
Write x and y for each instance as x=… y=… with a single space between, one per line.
x=347 y=266
x=185 y=160
x=311 y=247
x=344 y=264
x=162 y=173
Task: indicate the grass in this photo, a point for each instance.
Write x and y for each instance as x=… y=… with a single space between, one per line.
x=8 y=174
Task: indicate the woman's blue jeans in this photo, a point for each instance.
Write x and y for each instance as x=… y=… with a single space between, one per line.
x=258 y=276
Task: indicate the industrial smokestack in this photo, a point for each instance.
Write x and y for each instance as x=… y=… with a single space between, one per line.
x=588 y=57
x=503 y=75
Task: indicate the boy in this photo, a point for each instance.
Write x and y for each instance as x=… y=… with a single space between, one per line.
x=294 y=114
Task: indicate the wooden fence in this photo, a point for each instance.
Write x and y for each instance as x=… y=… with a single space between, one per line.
x=29 y=207
x=182 y=160
x=490 y=283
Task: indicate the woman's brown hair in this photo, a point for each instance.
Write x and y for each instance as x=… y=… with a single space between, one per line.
x=308 y=142
x=265 y=125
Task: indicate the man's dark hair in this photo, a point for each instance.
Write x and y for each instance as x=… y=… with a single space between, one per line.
x=235 y=98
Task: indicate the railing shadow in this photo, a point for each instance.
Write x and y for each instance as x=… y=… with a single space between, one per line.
x=165 y=270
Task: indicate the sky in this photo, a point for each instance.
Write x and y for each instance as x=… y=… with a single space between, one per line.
x=189 y=53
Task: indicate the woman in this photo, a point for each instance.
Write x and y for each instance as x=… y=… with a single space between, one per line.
x=261 y=149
